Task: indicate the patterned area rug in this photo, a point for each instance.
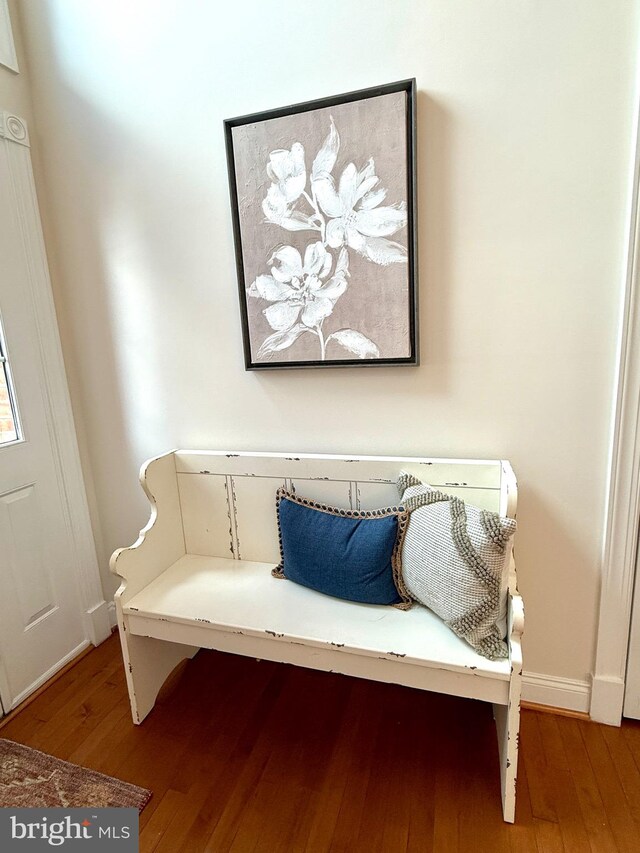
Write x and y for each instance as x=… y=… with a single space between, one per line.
x=32 y=779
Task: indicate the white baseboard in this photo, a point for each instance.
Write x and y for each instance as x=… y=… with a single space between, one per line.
x=607 y=696
x=566 y=693
x=98 y=619
x=113 y=619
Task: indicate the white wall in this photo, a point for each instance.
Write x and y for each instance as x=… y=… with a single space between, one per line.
x=525 y=131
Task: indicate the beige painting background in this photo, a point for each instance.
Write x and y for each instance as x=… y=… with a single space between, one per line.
x=376 y=302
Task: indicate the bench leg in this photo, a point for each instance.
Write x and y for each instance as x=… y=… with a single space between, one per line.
x=507 y=718
x=148 y=662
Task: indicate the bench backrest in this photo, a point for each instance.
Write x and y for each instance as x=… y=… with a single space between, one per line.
x=227 y=499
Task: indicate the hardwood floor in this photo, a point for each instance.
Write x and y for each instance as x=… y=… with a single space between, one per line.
x=245 y=756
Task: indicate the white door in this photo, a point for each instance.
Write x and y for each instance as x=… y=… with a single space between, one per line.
x=632 y=682
x=43 y=620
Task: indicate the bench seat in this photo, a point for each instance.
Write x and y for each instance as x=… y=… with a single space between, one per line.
x=242 y=596
x=199 y=576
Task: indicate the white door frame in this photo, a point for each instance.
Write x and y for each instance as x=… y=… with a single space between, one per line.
x=623 y=503
x=13 y=130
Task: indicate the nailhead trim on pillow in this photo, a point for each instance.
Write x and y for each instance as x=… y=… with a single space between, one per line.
x=396 y=557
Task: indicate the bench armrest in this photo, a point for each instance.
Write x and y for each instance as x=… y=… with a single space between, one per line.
x=161 y=541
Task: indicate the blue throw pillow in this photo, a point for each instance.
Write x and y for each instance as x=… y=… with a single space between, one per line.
x=348 y=554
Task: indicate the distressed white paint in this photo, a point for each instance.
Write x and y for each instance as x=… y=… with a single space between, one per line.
x=206 y=525
x=173 y=601
x=242 y=596
x=157 y=548
x=468 y=473
x=507 y=716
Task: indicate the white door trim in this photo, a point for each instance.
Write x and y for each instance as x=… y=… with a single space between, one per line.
x=623 y=503
x=13 y=129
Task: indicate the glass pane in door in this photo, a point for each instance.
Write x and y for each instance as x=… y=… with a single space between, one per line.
x=8 y=428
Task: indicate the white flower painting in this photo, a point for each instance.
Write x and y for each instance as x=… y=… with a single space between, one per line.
x=337 y=223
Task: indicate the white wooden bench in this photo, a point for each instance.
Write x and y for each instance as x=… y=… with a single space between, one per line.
x=199 y=576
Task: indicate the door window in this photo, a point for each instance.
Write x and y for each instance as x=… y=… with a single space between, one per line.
x=9 y=428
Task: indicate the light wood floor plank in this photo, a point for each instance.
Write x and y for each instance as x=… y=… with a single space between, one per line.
x=623 y=826
x=594 y=814
x=543 y=806
x=562 y=787
x=326 y=809
x=625 y=766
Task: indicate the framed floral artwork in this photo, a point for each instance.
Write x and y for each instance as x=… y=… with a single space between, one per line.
x=323 y=197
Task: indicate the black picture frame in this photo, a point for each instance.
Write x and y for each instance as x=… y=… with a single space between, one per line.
x=353 y=349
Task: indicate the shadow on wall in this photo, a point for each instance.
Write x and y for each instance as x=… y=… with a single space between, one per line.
x=79 y=252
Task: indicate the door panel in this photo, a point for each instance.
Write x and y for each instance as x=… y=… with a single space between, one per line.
x=632 y=682
x=41 y=619
x=30 y=578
